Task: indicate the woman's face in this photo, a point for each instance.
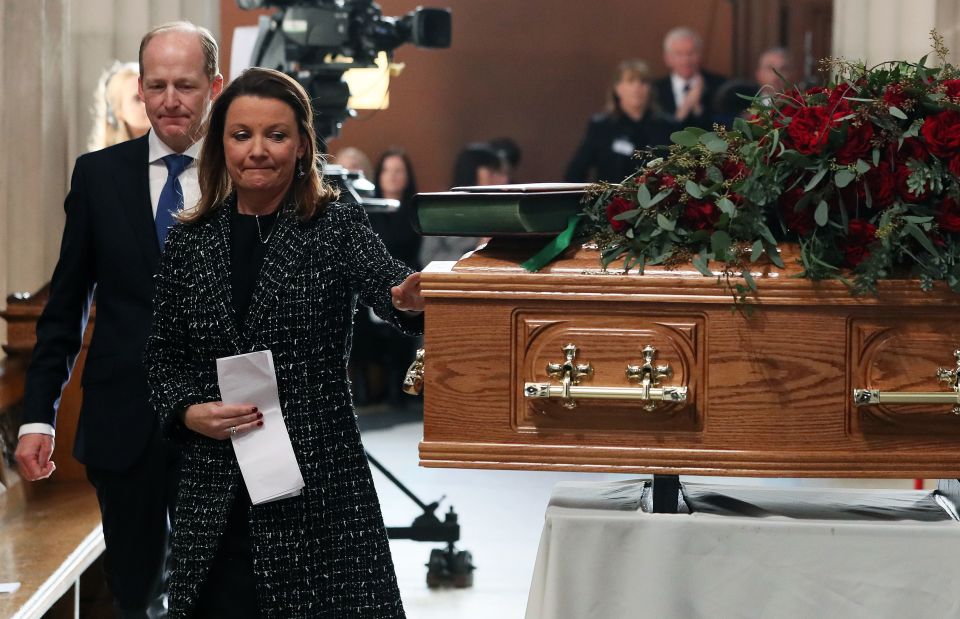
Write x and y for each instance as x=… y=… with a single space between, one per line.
x=633 y=92
x=130 y=109
x=261 y=144
x=393 y=177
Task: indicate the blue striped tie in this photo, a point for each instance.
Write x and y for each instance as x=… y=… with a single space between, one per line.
x=171 y=197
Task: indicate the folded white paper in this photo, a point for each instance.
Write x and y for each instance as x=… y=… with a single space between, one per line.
x=9 y=587
x=265 y=455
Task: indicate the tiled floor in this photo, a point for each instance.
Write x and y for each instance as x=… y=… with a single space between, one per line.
x=501 y=516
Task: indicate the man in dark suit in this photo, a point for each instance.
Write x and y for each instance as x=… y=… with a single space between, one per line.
x=120 y=205
x=687 y=94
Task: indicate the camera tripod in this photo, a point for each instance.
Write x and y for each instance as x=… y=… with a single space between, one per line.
x=447 y=567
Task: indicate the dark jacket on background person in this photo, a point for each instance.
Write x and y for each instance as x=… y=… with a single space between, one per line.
x=606 y=152
x=325 y=552
x=711 y=83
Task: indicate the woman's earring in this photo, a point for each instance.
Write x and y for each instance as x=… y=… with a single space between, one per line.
x=300 y=172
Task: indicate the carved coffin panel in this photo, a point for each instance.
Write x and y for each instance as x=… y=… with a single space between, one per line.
x=894 y=355
x=609 y=343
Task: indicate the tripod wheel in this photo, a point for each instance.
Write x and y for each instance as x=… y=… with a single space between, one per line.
x=449 y=568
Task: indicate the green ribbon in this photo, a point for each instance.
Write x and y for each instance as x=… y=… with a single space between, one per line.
x=555 y=247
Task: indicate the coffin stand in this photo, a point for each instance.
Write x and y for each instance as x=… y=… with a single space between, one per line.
x=576 y=368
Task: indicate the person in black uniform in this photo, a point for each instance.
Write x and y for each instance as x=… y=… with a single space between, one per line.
x=632 y=121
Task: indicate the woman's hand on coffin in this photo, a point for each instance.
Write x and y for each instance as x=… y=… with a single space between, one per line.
x=221 y=421
x=407 y=296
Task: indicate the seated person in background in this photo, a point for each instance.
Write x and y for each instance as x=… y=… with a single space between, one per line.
x=477 y=164
x=354 y=160
x=510 y=153
x=381 y=355
x=118 y=111
x=632 y=121
x=771 y=75
x=688 y=92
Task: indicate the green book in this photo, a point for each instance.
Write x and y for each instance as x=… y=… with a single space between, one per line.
x=525 y=210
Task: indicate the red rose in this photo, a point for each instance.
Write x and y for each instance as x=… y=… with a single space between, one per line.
x=800 y=221
x=618 y=205
x=860 y=233
x=942 y=133
x=837 y=101
x=857 y=144
x=912 y=148
x=952 y=88
x=882 y=183
x=894 y=95
x=733 y=169
x=809 y=129
x=903 y=173
x=700 y=215
x=949 y=218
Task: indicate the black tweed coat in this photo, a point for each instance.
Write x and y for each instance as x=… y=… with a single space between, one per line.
x=324 y=553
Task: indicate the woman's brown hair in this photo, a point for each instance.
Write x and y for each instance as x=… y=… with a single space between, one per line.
x=308 y=193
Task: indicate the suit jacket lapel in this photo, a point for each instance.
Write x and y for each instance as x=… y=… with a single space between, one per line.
x=133 y=189
x=283 y=255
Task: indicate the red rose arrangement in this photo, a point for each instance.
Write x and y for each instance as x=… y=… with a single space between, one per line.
x=863 y=174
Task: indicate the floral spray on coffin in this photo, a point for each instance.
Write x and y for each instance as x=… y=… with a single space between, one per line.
x=863 y=174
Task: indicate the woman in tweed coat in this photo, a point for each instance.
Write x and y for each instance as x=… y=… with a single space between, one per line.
x=267 y=261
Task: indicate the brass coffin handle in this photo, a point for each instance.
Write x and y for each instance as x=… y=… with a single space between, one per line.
x=571 y=374
x=872 y=397
x=413 y=380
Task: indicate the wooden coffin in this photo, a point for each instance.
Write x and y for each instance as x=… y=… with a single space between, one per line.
x=765 y=395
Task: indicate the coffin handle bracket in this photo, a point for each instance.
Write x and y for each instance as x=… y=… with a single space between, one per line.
x=950 y=377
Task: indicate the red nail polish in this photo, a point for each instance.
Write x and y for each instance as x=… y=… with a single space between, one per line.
x=255 y=409
x=259 y=423
x=259 y=415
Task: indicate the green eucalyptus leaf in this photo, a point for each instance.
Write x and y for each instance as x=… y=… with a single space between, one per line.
x=643 y=196
x=862 y=166
x=726 y=206
x=816 y=179
x=683 y=138
x=720 y=242
x=701 y=263
x=665 y=223
x=756 y=251
x=694 y=189
x=843 y=177
x=822 y=214
x=921 y=238
x=897 y=112
x=747 y=277
x=876 y=157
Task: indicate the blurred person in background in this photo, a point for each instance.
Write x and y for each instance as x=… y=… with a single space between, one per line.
x=688 y=92
x=477 y=164
x=118 y=111
x=354 y=160
x=380 y=354
x=632 y=121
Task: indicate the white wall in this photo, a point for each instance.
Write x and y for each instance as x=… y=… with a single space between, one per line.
x=878 y=30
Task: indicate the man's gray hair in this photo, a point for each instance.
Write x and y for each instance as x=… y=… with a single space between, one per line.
x=211 y=52
x=681 y=32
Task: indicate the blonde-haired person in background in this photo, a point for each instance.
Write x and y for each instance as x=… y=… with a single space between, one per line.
x=118 y=111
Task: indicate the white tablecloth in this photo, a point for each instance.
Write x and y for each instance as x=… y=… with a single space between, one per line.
x=601 y=558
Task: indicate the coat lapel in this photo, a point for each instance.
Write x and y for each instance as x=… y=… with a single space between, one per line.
x=133 y=189
x=283 y=255
x=216 y=256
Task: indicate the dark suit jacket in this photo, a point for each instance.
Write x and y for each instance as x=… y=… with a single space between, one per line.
x=109 y=253
x=324 y=553
x=711 y=83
